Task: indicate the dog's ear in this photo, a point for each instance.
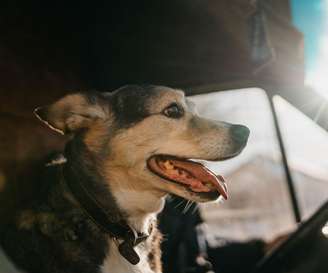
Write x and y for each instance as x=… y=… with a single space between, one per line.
x=73 y=112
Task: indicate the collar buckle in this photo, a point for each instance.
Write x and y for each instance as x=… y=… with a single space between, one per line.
x=126 y=248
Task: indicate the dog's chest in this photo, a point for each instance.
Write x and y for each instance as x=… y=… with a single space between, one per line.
x=115 y=263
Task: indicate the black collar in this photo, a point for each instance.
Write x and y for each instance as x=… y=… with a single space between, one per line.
x=122 y=233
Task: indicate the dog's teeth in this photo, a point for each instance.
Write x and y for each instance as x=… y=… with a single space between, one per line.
x=168 y=165
x=209 y=185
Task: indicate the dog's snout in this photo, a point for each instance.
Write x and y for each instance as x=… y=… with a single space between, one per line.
x=240 y=133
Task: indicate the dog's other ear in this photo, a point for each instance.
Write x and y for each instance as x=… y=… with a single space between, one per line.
x=73 y=112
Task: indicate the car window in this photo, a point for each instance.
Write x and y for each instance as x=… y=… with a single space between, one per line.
x=306 y=146
x=259 y=205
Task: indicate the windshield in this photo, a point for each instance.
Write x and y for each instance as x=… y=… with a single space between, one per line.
x=259 y=205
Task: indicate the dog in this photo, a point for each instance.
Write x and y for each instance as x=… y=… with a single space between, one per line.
x=128 y=149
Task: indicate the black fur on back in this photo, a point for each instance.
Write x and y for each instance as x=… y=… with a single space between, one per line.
x=52 y=234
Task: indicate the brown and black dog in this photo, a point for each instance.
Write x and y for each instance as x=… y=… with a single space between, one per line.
x=96 y=210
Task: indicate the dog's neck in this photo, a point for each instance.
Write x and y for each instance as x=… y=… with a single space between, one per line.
x=137 y=209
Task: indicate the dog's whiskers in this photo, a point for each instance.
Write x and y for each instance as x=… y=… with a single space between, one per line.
x=179 y=204
x=184 y=211
x=165 y=237
x=190 y=205
x=187 y=207
x=194 y=209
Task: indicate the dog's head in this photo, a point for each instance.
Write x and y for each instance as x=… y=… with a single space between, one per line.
x=144 y=139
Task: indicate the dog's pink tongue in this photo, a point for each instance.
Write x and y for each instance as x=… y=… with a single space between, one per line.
x=204 y=174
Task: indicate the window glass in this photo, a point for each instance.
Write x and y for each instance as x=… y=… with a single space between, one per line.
x=259 y=204
x=310 y=17
x=306 y=145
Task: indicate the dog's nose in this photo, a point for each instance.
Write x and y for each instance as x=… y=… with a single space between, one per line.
x=240 y=133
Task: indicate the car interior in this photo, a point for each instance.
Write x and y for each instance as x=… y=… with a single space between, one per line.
x=261 y=63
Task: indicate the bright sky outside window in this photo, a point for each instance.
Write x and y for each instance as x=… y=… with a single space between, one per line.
x=311 y=18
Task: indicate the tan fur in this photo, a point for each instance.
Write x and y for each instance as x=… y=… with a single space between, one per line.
x=71 y=113
x=126 y=169
x=96 y=135
x=154 y=255
x=121 y=154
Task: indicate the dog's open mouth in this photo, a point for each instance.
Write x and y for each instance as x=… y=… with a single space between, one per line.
x=190 y=174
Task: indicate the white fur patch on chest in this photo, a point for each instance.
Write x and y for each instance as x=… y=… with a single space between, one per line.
x=115 y=263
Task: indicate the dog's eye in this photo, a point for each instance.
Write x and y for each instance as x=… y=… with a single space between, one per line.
x=173 y=111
